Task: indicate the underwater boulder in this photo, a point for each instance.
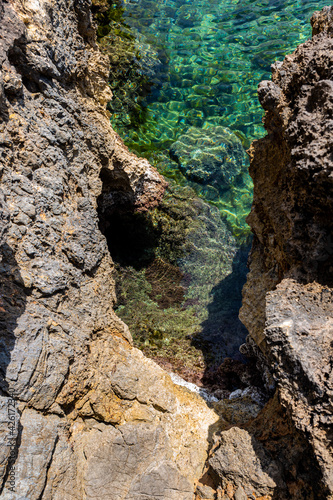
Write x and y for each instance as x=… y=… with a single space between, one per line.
x=213 y=156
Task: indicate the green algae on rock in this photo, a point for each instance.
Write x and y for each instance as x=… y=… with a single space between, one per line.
x=166 y=270
x=184 y=97
x=197 y=64
x=83 y=399
x=214 y=161
x=132 y=67
x=168 y=293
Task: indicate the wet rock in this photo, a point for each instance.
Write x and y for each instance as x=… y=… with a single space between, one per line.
x=179 y=278
x=211 y=156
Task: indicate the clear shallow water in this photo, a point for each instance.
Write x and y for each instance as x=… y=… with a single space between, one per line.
x=181 y=69
x=214 y=53
x=202 y=62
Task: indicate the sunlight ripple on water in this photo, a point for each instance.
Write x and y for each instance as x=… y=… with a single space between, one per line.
x=204 y=60
x=184 y=78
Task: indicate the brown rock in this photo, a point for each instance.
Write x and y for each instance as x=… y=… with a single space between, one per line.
x=95 y=418
x=287 y=300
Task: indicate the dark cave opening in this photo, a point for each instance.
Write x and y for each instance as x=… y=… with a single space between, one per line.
x=132 y=238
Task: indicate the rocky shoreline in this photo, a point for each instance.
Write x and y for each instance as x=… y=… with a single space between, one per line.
x=287 y=301
x=84 y=414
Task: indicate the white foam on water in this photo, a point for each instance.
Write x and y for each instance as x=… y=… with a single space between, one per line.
x=206 y=395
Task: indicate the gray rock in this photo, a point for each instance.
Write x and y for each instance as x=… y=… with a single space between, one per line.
x=240 y=494
x=243 y=460
x=205 y=492
x=9 y=435
x=4 y=219
x=34 y=453
x=64 y=354
x=96 y=418
x=287 y=299
x=124 y=463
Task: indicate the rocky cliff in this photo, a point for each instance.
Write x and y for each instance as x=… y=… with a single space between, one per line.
x=83 y=414
x=287 y=301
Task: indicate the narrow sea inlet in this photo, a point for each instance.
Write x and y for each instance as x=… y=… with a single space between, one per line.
x=184 y=77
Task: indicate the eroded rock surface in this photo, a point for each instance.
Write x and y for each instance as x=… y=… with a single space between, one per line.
x=287 y=301
x=90 y=417
x=93 y=417
x=243 y=460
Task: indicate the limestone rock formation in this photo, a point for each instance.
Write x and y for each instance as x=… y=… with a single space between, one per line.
x=84 y=414
x=287 y=301
x=4 y=219
x=243 y=460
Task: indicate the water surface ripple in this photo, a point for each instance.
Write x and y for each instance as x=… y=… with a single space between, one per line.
x=184 y=76
x=203 y=61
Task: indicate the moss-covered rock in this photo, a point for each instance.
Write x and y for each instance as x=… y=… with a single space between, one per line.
x=169 y=262
x=135 y=66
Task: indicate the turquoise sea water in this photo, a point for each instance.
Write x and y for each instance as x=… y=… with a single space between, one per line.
x=206 y=59
x=184 y=76
x=198 y=64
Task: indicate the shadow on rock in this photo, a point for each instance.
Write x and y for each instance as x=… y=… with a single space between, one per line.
x=132 y=239
x=12 y=306
x=267 y=456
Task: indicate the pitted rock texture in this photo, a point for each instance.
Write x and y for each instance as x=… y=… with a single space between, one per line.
x=4 y=219
x=243 y=460
x=287 y=300
x=93 y=417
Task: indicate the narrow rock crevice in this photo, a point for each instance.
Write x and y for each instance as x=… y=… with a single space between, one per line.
x=64 y=172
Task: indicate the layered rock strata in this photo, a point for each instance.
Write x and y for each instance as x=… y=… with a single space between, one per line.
x=287 y=301
x=82 y=413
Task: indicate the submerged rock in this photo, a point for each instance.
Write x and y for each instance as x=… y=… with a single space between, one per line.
x=213 y=156
x=91 y=417
x=179 y=279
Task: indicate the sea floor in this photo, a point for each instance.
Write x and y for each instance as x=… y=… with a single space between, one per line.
x=184 y=76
